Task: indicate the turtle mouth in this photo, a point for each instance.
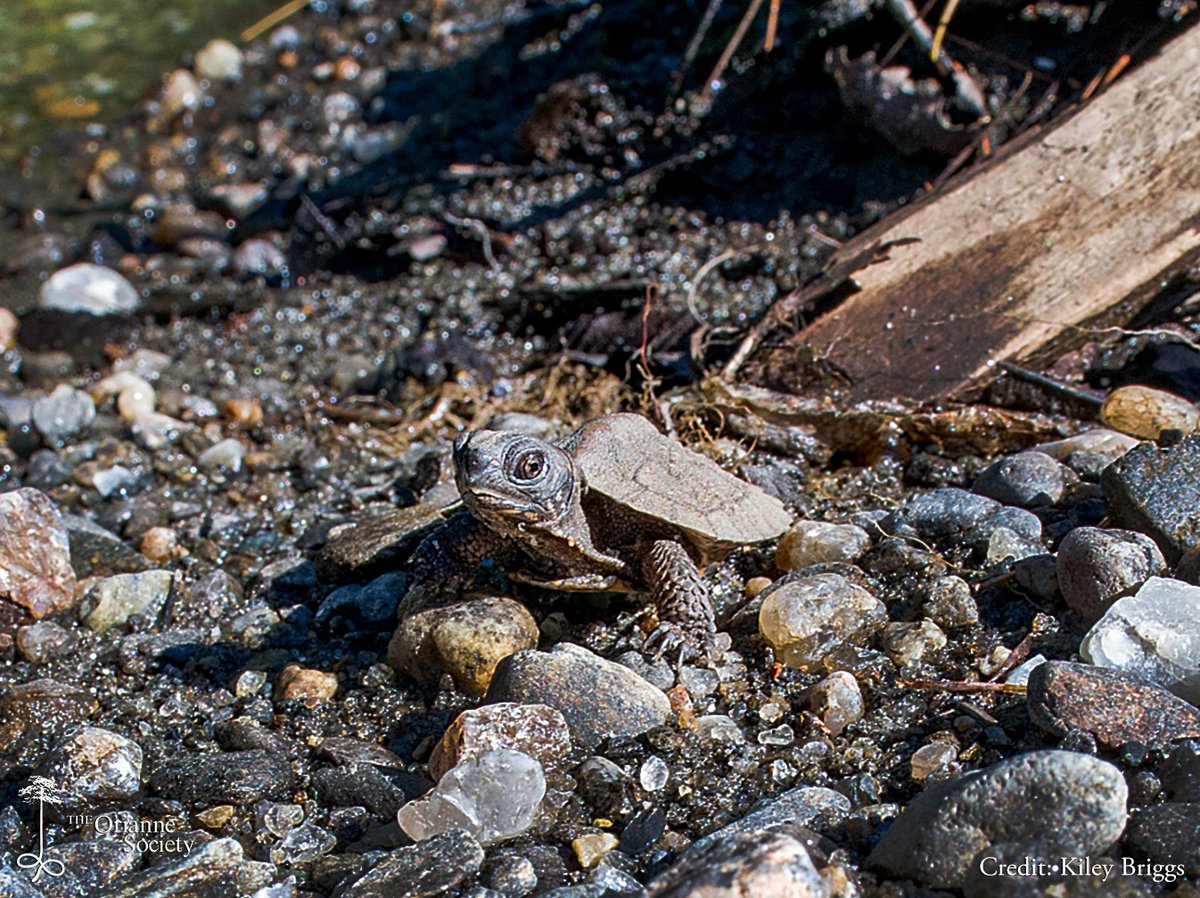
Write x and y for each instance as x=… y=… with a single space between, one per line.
x=499 y=504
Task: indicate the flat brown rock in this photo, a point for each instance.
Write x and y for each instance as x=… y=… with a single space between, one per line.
x=1113 y=706
x=35 y=554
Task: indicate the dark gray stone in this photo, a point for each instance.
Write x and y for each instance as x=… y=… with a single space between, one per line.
x=429 y=868
x=598 y=698
x=1027 y=479
x=1080 y=802
x=235 y=777
x=802 y=806
x=1168 y=834
x=1156 y=491
x=1096 y=567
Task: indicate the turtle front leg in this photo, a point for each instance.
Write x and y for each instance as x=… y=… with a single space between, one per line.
x=685 y=611
x=445 y=562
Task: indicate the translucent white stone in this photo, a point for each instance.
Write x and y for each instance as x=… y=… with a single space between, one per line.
x=654 y=773
x=493 y=796
x=718 y=728
x=1155 y=634
x=88 y=288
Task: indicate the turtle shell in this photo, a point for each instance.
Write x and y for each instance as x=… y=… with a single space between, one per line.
x=626 y=459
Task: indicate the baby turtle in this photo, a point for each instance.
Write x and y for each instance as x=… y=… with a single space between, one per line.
x=614 y=506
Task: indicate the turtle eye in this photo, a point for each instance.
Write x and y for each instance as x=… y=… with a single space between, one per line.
x=529 y=465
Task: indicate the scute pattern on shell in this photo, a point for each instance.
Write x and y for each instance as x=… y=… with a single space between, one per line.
x=624 y=457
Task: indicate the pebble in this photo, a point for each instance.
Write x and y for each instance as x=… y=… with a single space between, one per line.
x=302 y=845
x=181 y=92
x=591 y=847
x=243 y=412
x=1154 y=634
x=934 y=759
x=466 y=640
x=800 y=806
x=1112 y=706
x=44 y=641
x=88 y=288
x=837 y=701
x=219 y=60
x=1027 y=479
x=1081 y=802
x=359 y=784
x=135 y=400
x=9 y=327
x=1146 y=412
x=1189 y=567
x=760 y=862
x=239 y=200
x=1180 y=772
x=1096 y=567
x=493 y=796
x=258 y=257
x=367 y=607
x=951 y=515
x=35 y=554
x=159 y=544
x=512 y=875
x=63 y=414
x=227 y=454
x=947 y=601
x=97 y=552
x=598 y=698
x=814 y=542
x=89 y=865
x=653 y=774
x=1156 y=491
x=40 y=710
x=432 y=867
x=906 y=642
x=156 y=431
x=1038 y=576
x=113 y=600
x=806 y=619
x=212 y=869
x=537 y=730
x=1101 y=441
x=232 y=777
x=375 y=543
x=1168 y=834
x=304 y=684
x=354 y=374
x=94 y=768
x=603 y=784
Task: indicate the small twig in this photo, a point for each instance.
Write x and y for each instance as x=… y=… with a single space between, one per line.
x=1051 y=384
x=1015 y=658
x=772 y=26
x=485 y=236
x=969 y=93
x=643 y=357
x=272 y=19
x=689 y=55
x=694 y=287
x=964 y=687
x=943 y=23
x=730 y=48
x=328 y=225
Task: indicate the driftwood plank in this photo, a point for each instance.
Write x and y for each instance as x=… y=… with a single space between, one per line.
x=1090 y=214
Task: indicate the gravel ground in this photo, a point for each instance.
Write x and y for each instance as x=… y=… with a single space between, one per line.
x=241 y=341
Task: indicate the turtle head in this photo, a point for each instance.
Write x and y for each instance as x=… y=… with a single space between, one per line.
x=510 y=479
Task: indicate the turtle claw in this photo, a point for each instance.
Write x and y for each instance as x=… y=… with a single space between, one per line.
x=683 y=641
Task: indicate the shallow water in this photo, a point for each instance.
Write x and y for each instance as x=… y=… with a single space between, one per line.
x=71 y=61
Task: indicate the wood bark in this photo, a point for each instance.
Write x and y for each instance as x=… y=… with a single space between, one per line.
x=1061 y=235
